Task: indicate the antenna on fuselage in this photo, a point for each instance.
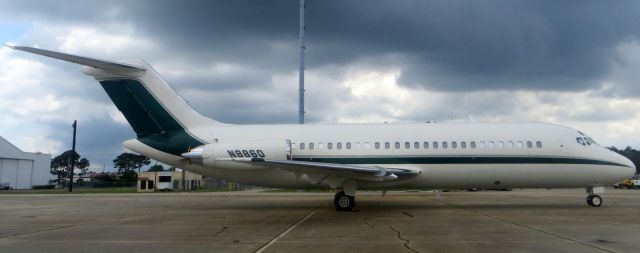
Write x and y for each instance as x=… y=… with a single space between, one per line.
x=301 y=72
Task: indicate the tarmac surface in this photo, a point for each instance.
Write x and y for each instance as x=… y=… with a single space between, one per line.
x=516 y=221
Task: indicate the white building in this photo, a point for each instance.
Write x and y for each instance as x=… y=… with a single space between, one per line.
x=23 y=170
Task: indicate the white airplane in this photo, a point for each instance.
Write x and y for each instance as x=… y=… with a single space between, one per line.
x=347 y=157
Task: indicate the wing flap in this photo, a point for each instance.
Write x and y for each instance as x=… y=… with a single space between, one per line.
x=366 y=173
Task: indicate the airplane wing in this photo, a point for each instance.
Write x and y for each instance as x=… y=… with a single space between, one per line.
x=92 y=62
x=365 y=173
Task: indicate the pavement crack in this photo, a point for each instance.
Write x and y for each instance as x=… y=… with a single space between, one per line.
x=368 y=223
x=221 y=230
x=407 y=214
x=406 y=241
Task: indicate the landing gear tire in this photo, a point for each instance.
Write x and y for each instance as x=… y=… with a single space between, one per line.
x=594 y=200
x=344 y=202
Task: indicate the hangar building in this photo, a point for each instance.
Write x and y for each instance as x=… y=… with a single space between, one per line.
x=22 y=170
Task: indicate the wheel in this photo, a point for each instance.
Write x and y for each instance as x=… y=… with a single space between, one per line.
x=594 y=200
x=343 y=202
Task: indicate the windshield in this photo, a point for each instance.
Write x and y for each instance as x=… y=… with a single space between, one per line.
x=584 y=140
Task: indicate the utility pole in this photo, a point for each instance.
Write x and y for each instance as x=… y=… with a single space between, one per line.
x=301 y=72
x=73 y=156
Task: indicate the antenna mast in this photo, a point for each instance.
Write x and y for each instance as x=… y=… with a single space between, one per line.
x=301 y=73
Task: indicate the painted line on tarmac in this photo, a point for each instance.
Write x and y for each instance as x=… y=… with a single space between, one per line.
x=261 y=249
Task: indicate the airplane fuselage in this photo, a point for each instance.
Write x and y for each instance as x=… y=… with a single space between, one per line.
x=458 y=155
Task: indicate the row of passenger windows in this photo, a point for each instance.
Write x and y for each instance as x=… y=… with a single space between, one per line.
x=424 y=145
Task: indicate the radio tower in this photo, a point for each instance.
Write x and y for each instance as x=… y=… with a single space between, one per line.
x=301 y=73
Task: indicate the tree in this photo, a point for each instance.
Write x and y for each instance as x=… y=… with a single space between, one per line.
x=83 y=166
x=128 y=176
x=61 y=163
x=130 y=162
x=105 y=177
x=156 y=167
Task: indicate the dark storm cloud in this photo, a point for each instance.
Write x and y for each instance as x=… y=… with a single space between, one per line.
x=447 y=45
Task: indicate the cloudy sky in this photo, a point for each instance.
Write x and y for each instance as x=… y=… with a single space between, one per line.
x=575 y=63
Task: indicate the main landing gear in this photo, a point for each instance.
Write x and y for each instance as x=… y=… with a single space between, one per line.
x=343 y=202
x=593 y=199
x=345 y=199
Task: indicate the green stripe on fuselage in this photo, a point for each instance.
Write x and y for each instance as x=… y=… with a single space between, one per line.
x=458 y=160
x=153 y=124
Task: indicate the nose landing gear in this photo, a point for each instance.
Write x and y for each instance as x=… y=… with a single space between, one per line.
x=593 y=199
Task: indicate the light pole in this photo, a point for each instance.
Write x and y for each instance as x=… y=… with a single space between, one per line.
x=73 y=156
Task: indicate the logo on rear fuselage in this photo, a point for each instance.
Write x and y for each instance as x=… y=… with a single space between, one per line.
x=239 y=153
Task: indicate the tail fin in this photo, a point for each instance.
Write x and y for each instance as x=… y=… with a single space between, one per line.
x=157 y=114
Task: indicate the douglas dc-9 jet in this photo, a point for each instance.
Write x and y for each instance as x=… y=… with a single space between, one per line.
x=347 y=157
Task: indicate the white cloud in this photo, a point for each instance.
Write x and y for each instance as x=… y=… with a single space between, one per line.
x=36 y=95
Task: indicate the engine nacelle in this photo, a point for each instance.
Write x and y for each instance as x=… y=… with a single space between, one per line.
x=225 y=155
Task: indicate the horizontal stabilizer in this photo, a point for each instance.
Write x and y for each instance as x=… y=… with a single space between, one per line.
x=92 y=62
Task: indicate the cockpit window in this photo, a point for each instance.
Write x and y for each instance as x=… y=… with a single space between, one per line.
x=587 y=140
x=584 y=140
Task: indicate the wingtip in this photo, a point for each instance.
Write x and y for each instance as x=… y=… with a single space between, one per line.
x=10 y=46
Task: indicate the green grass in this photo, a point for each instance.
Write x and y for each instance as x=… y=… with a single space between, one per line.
x=75 y=191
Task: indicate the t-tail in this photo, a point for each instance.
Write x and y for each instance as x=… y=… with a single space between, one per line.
x=160 y=118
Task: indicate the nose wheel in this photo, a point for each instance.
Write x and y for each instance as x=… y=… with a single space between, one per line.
x=594 y=200
x=343 y=202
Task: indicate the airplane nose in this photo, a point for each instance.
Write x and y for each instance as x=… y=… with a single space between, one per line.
x=629 y=170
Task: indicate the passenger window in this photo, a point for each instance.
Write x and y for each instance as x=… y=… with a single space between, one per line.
x=301 y=145
x=500 y=144
x=444 y=144
x=538 y=144
x=416 y=145
x=407 y=145
x=472 y=144
x=492 y=144
x=520 y=144
x=329 y=145
x=397 y=145
x=366 y=145
x=463 y=144
x=481 y=144
x=349 y=145
x=529 y=144
x=510 y=144
x=425 y=145
x=454 y=144
x=387 y=145
x=377 y=145
x=339 y=145
x=320 y=145
x=435 y=145
x=311 y=145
